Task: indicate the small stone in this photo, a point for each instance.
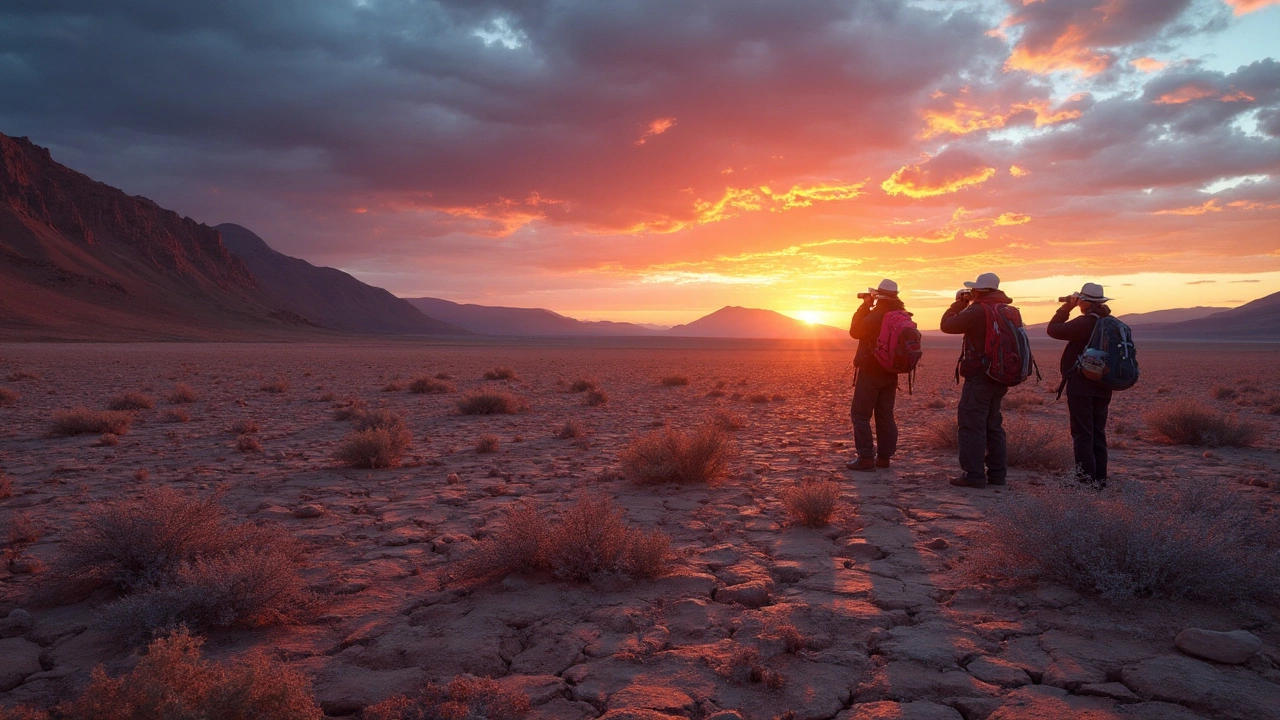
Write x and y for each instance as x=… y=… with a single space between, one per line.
x=310 y=510
x=1114 y=690
x=749 y=594
x=938 y=544
x=1208 y=454
x=862 y=550
x=1232 y=648
x=452 y=479
x=998 y=672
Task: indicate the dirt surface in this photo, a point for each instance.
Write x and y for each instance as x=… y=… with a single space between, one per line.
x=891 y=626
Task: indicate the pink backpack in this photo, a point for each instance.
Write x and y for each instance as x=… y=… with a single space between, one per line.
x=898 y=347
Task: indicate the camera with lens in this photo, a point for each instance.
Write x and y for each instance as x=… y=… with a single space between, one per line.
x=866 y=296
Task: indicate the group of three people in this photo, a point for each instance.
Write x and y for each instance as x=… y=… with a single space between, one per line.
x=983 y=454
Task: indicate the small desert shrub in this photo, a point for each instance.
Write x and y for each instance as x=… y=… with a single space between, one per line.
x=142 y=474
x=349 y=408
x=728 y=420
x=179 y=560
x=792 y=639
x=171 y=681
x=376 y=447
x=812 y=503
x=378 y=420
x=443 y=376
x=584 y=384
x=1222 y=392
x=942 y=434
x=487 y=444
x=18 y=375
x=6 y=487
x=744 y=666
x=1016 y=401
x=716 y=393
x=1190 y=539
x=182 y=394
x=175 y=415
x=247 y=444
x=596 y=396
x=935 y=403
x=108 y=440
x=22 y=530
x=392 y=386
x=429 y=385
x=500 y=373
x=278 y=385
x=570 y=430
x=83 y=421
x=491 y=402
x=1037 y=445
x=464 y=697
x=758 y=398
x=675 y=381
x=245 y=427
x=131 y=401
x=7 y=397
x=1189 y=423
x=673 y=456
x=588 y=540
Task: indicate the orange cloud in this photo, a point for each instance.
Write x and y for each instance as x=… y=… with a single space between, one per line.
x=1147 y=64
x=1199 y=91
x=1018 y=171
x=1012 y=219
x=1237 y=96
x=964 y=117
x=505 y=215
x=938 y=175
x=1208 y=207
x=739 y=200
x=657 y=126
x=1068 y=52
x=1244 y=7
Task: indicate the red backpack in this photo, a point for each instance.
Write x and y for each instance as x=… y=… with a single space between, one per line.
x=898 y=347
x=1006 y=356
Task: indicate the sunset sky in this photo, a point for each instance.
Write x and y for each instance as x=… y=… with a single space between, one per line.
x=655 y=160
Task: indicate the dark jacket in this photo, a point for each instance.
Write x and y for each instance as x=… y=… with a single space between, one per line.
x=970 y=320
x=865 y=328
x=1077 y=333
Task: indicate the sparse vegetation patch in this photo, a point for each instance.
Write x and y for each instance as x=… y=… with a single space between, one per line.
x=463 y=698
x=131 y=401
x=7 y=397
x=182 y=394
x=491 y=402
x=83 y=421
x=430 y=385
x=1188 y=422
x=1038 y=445
x=674 y=456
x=500 y=373
x=812 y=502
x=675 y=381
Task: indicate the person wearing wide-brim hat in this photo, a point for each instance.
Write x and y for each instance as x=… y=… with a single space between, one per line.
x=875 y=389
x=1087 y=401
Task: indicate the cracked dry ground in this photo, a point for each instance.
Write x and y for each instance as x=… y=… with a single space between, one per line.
x=891 y=627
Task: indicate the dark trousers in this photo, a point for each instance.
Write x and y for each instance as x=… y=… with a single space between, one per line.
x=873 y=395
x=1089 y=434
x=982 y=439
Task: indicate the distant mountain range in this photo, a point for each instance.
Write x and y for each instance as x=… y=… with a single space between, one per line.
x=522 y=322
x=1257 y=321
x=740 y=322
x=82 y=260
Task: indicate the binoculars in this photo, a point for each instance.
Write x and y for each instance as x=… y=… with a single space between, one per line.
x=866 y=296
x=1069 y=298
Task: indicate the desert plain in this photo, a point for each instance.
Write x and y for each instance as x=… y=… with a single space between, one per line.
x=875 y=614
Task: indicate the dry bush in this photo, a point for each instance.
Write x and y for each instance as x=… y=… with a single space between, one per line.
x=942 y=434
x=7 y=397
x=248 y=444
x=376 y=447
x=171 y=681
x=108 y=440
x=758 y=398
x=596 y=396
x=1191 y=539
x=83 y=421
x=584 y=384
x=278 y=385
x=180 y=560
x=349 y=408
x=1038 y=445
x=463 y=698
x=6 y=487
x=570 y=430
x=442 y=375
x=142 y=474
x=589 y=539
x=744 y=666
x=182 y=394
x=1222 y=392
x=729 y=420
x=430 y=385
x=17 y=375
x=487 y=444
x=175 y=415
x=500 y=373
x=491 y=402
x=392 y=386
x=935 y=403
x=131 y=401
x=1016 y=401
x=245 y=427
x=378 y=420
x=673 y=456
x=675 y=381
x=1188 y=422
x=792 y=639
x=812 y=503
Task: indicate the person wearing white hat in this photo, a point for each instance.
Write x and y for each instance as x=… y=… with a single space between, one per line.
x=875 y=389
x=983 y=448
x=1087 y=401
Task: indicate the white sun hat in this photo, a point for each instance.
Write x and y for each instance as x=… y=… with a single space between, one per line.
x=887 y=287
x=985 y=281
x=1092 y=292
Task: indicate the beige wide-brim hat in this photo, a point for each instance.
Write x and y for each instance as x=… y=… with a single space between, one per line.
x=887 y=287
x=985 y=281
x=1092 y=292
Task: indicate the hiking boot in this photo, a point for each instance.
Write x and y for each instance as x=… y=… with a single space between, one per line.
x=862 y=465
x=995 y=481
x=882 y=462
x=963 y=481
